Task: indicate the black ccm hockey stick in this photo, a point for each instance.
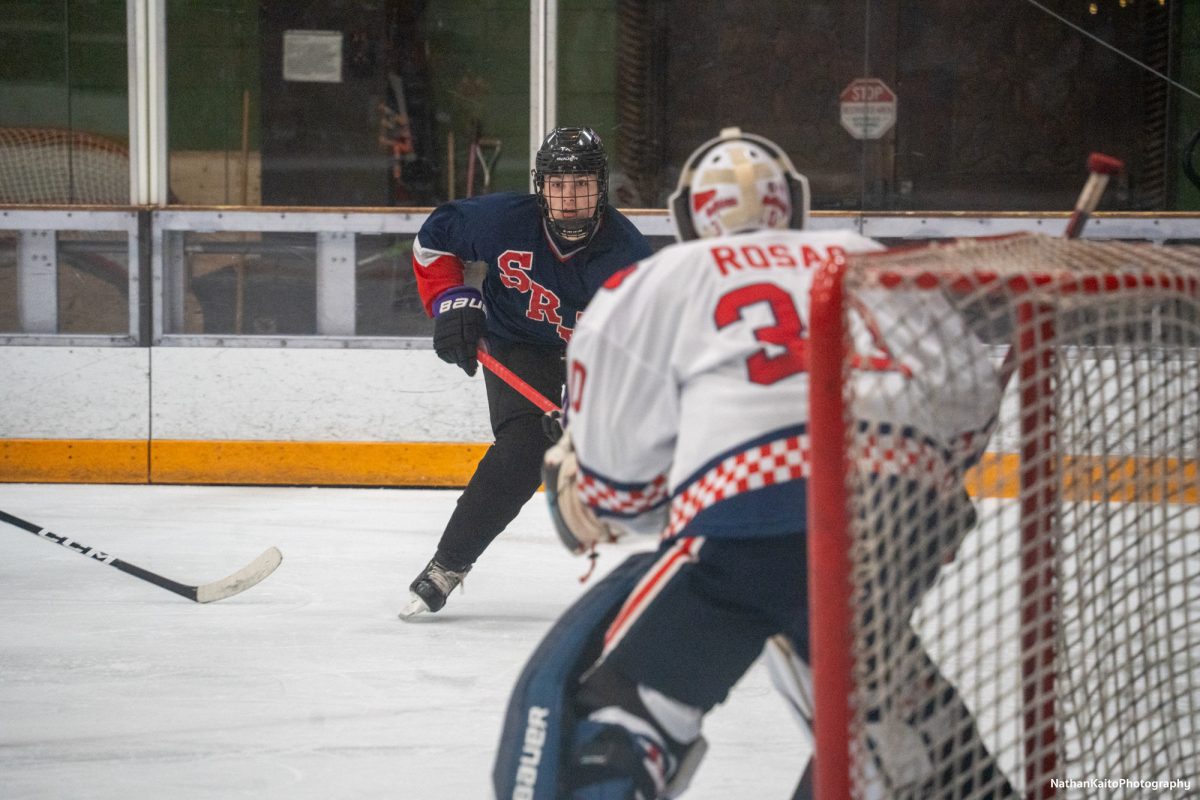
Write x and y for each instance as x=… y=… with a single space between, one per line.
x=238 y=582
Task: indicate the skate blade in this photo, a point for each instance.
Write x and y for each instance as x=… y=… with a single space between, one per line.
x=414 y=607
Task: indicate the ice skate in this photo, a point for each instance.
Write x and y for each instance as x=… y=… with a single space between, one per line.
x=428 y=592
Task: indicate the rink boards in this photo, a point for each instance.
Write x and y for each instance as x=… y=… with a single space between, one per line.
x=274 y=416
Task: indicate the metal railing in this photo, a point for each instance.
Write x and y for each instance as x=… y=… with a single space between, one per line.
x=320 y=277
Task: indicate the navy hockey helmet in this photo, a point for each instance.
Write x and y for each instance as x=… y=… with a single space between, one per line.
x=738 y=182
x=572 y=151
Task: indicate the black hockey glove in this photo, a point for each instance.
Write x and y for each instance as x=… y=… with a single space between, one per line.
x=458 y=324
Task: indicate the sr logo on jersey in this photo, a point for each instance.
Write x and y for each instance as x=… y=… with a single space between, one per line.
x=544 y=305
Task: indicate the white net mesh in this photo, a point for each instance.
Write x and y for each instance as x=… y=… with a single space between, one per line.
x=53 y=166
x=1042 y=637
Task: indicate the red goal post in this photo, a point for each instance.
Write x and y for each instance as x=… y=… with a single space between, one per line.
x=1049 y=635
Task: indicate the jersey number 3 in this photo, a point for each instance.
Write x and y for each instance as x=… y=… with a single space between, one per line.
x=787 y=331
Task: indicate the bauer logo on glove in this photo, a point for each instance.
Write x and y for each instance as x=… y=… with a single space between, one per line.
x=459 y=322
x=459 y=302
x=576 y=524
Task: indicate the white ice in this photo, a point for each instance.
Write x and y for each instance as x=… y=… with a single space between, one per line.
x=306 y=686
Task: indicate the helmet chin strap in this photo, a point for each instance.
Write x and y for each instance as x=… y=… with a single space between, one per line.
x=568 y=234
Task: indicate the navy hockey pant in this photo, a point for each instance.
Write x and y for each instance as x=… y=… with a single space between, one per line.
x=702 y=613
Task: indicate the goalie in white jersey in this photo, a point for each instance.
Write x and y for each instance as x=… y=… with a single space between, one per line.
x=686 y=418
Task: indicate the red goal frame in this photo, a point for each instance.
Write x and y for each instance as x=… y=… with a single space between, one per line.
x=1032 y=357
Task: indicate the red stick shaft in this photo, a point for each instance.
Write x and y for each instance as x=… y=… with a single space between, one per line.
x=512 y=379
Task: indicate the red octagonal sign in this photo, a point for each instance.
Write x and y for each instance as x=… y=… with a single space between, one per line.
x=868 y=108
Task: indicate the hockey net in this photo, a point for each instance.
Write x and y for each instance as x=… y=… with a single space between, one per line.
x=1041 y=638
x=49 y=166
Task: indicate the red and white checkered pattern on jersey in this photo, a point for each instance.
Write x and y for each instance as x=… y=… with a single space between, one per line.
x=603 y=496
x=768 y=464
x=913 y=458
x=789 y=459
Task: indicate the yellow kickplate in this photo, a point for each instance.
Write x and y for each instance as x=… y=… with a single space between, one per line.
x=73 y=461
x=315 y=463
x=440 y=464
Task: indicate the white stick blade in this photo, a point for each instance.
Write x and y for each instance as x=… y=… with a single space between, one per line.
x=243 y=579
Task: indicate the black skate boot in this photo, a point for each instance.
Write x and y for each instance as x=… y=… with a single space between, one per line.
x=428 y=592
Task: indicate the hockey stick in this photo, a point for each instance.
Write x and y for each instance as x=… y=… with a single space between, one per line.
x=513 y=380
x=236 y=583
x=1100 y=169
x=538 y=399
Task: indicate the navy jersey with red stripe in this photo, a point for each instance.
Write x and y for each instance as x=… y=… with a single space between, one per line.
x=536 y=285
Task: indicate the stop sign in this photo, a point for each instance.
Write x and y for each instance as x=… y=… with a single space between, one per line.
x=868 y=108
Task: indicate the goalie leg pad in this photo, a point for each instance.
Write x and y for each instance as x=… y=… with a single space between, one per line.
x=932 y=748
x=540 y=719
x=622 y=762
x=610 y=762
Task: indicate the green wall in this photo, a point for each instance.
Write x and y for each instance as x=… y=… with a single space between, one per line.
x=478 y=65
x=587 y=71
x=212 y=58
x=63 y=65
x=479 y=68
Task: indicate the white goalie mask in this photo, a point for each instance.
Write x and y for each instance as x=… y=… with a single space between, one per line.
x=738 y=182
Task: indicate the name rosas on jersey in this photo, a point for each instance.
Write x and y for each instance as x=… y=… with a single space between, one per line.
x=729 y=259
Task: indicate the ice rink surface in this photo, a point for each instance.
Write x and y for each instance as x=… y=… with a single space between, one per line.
x=307 y=685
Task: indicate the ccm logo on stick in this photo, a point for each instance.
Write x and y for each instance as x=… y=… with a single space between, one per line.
x=82 y=549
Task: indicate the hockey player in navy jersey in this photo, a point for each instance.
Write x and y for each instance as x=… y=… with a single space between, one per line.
x=687 y=419
x=545 y=254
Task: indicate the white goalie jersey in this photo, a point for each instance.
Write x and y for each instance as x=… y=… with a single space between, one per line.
x=688 y=385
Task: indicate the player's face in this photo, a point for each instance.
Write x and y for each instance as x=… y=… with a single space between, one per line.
x=571 y=196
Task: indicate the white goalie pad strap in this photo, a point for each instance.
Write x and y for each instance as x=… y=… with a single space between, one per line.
x=696 y=745
x=680 y=720
x=688 y=764
x=899 y=753
x=792 y=679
